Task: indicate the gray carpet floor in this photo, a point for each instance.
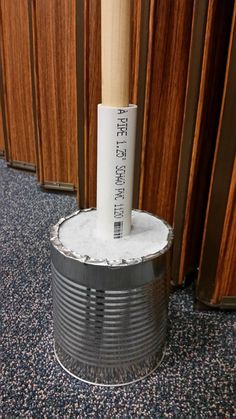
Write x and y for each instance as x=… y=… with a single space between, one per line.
x=195 y=379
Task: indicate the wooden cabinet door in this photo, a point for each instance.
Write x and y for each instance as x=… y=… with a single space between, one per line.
x=17 y=83
x=216 y=283
x=54 y=33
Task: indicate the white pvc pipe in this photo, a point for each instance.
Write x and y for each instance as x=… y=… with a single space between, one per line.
x=115 y=169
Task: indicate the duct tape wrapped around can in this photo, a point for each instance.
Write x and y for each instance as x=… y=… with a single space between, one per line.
x=110 y=298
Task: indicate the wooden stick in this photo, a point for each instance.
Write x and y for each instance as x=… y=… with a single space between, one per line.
x=115 y=52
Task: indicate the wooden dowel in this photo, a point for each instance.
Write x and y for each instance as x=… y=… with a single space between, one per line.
x=115 y=52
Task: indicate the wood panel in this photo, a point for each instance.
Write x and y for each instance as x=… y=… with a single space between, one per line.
x=219 y=18
x=2 y=146
x=170 y=32
x=226 y=267
x=92 y=96
x=158 y=82
x=54 y=29
x=217 y=272
x=3 y=122
x=51 y=86
x=136 y=16
x=92 y=89
x=188 y=129
x=17 y=83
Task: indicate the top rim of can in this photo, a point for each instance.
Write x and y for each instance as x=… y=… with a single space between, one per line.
x=86 y=259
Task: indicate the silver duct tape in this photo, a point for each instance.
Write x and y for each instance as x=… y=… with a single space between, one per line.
x=110 y=320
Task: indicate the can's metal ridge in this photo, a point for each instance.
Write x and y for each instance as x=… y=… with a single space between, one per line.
x=54 y=238
x=112 y=385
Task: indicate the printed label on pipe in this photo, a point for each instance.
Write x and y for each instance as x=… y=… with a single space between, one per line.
x=116 y=146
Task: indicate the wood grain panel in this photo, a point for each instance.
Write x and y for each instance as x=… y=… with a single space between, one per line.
x=226 y=269
x=92 y=96
x=141 y=40
x=164 y=91
x=2 y=146
x=217 y=271
x=136 y=15
x=188 y=129
x=55 y=60
x=170 y=32
x=92 y=87
x=211 y=88
x=3 y=126
x=17 y=82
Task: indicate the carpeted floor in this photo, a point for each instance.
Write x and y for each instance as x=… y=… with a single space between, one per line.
x=195 y=380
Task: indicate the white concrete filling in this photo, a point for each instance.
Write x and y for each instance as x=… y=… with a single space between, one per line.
x=148 y=235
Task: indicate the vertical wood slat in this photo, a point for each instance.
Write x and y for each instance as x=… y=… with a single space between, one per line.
x=4 y=135
x=211 y=88
x=188 y=129
x=166 y=83
x=146 y=97
x=217 y=270
x=92 y=96
x=141 y=38
x=80 y=77
x=17 y=82
x=2 y=146
x=55 y=68
x=226 y=267
x=136 y=15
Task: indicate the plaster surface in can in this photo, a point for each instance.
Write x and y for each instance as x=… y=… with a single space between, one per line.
x=148 y=235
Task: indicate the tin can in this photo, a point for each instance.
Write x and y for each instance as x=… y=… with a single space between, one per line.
x=110 y=319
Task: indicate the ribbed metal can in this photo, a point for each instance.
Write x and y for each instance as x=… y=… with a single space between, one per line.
x=110 y=321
